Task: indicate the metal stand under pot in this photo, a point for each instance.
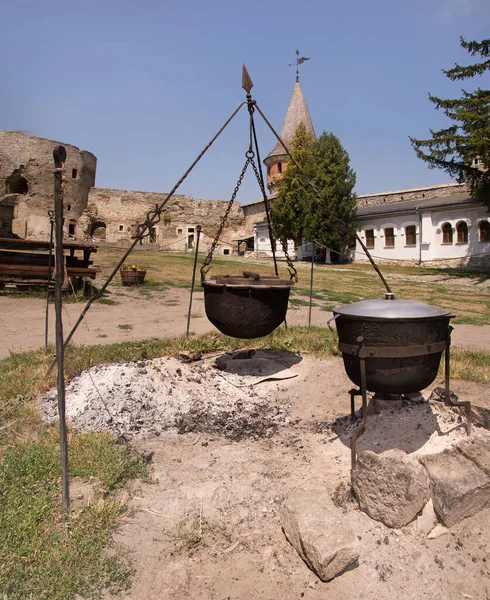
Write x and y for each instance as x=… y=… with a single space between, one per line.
x=393 y=347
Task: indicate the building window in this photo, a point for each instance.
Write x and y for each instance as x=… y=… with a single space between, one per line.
x=121 y=228
x=179 y=231
x=410 y=235
x=72 y=228
x=369 y=238
x=447 y=233
x=190 y=230
x=389 y=237
x=74 y=173
x=68 y=207
x=226 y=251
x=484 y=231
x=462 y=232
x=279 y=168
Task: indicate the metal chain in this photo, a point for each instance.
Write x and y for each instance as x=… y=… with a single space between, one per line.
x=205 y=266
x=292 y=269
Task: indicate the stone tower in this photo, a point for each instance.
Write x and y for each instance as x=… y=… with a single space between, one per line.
x=297 y=113
x=26 y=184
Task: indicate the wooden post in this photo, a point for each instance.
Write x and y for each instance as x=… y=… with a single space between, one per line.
x=59 y=155
x=50 y=256
x=193 y=279
x=311 y=281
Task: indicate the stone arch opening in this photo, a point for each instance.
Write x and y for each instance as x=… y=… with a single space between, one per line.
x=98 y=229
x=16 y=183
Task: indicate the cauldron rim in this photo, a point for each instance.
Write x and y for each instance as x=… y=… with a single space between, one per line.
x=387 y=310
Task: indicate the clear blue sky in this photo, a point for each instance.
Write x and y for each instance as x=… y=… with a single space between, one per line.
x=144 y=85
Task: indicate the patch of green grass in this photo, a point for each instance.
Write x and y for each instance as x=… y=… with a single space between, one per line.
x=108 y=301
x=300 y=302
x=42 y=557
x=125 y=326
x=471 y=365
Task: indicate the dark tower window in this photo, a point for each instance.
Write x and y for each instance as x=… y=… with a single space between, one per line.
x=74 y=173
x=279 y=168
x=16 y=184
x=72 y=228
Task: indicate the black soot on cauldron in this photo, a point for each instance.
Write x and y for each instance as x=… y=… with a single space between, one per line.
x=248 y=305
x=401 y=342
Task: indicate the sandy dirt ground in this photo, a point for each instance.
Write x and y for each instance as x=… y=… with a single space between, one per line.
x=227 y=447
x=138 y=316
x=207 y=526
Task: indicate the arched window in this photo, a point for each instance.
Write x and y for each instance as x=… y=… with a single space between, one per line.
x=447 y=233
x=462 y=232
x=410 y=235
x=369 y=233
x=484 y=231
x=16 y=184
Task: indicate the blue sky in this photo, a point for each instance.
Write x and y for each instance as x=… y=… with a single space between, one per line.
x=145 y=85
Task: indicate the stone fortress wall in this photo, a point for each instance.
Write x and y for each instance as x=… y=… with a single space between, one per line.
x=26 y=183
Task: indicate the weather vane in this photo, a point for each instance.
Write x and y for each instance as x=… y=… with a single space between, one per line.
x=299 y=61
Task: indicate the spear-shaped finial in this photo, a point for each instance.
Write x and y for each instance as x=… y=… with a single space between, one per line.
x=247 y=83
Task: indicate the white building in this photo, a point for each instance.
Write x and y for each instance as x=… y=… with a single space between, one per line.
x=440 y=224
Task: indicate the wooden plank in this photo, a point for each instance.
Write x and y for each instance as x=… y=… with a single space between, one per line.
x=10 y=257
x=42 y=271
x=14 y=243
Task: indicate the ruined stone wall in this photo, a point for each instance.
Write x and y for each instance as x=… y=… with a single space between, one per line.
x=430 y=191
x=26 y=169
x=120 y=211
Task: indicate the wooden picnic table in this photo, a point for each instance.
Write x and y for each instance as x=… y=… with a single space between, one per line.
x=29 y=258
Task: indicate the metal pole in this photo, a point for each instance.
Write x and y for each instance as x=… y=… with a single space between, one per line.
x=311 y=282
x=198 y=231
x=50 y=256
x=59 y=155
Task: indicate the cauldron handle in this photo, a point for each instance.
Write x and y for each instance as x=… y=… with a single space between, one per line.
x=251 y=275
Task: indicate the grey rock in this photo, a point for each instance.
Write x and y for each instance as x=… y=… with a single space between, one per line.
x=477 y=449
x=319 y=532
x=391 y=487
x=459 y=489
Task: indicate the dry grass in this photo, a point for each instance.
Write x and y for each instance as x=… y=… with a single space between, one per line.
x=333 y=284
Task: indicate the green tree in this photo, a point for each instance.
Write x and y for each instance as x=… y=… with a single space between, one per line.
x=297 y=211
x=331 y=221
x=455 y=149
x=293 y=192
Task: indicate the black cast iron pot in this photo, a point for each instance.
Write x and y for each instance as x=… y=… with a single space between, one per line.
x=402 y=342
x=247 y=306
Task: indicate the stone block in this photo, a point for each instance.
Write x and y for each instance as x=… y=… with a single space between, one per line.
x=391 y=487
x=459 y=488
x=477 y=450
x=319 y=532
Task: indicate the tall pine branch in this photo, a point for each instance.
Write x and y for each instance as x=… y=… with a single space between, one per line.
x=463 y=149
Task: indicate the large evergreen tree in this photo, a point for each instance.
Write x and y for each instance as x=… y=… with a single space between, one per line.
x=455 y=149
x=297 y=211
x=331 y=221
x=293 y=192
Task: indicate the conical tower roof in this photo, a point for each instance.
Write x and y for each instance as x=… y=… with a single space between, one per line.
x=297 y=113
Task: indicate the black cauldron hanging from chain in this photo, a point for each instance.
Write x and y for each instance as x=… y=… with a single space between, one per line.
x=247 y=305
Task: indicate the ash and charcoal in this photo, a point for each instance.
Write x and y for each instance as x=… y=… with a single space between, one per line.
x=146 y=398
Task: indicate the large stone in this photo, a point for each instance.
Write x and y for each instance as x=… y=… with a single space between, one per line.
x=391 y=487
x=459 y=488
x=319 y=532
x=477 y=449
